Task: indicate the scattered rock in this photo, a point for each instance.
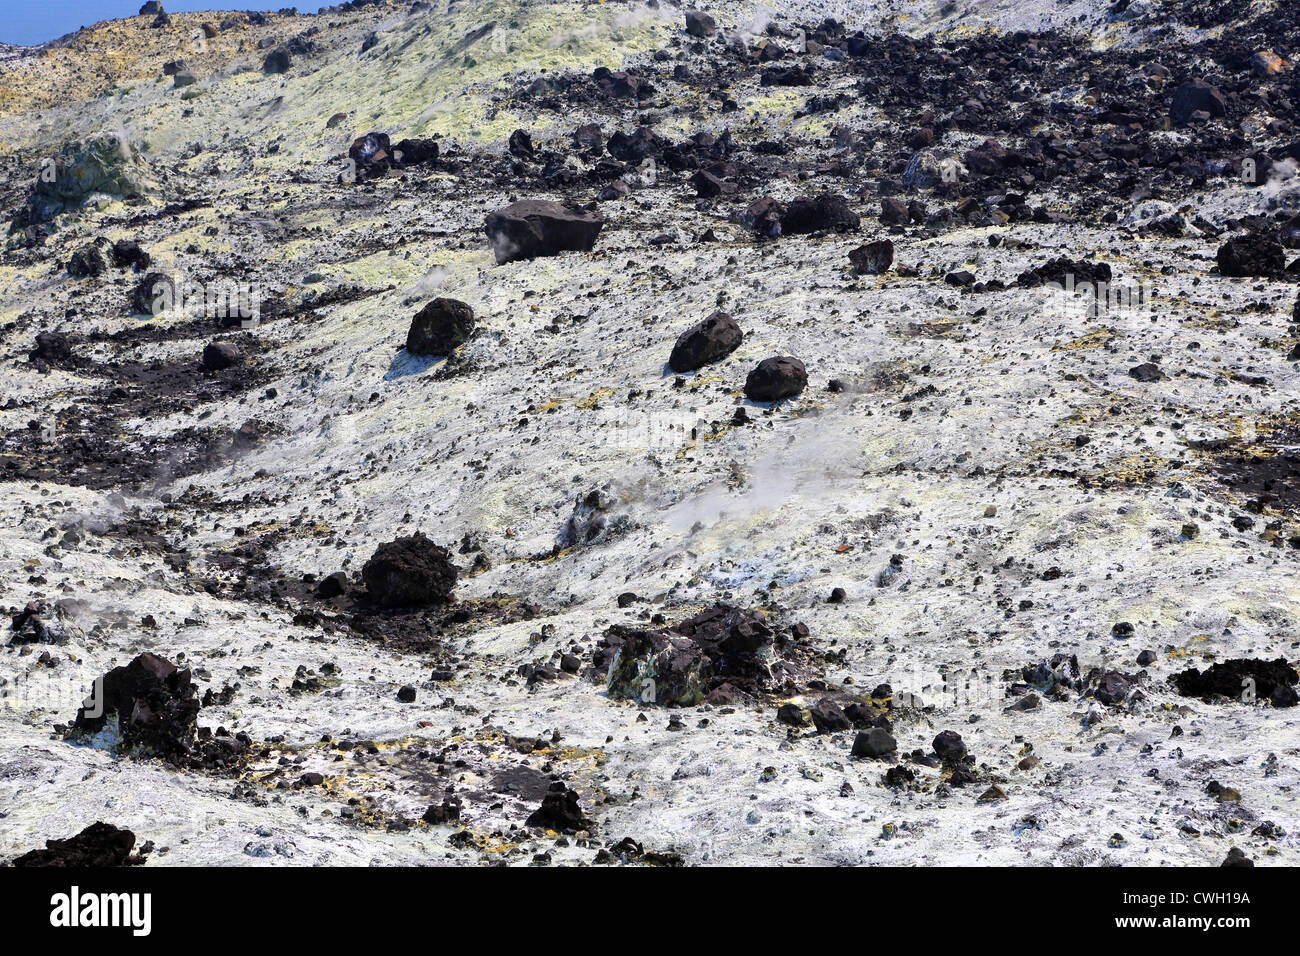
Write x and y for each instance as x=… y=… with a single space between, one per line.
x=220 y=355
x=700 y=24
x=949 y=746
x=1196 y=96
x=873 y=258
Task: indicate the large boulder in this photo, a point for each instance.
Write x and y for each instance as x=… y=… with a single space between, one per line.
x=635 y=147
x=535 y=227
x=127 y=253
x=1251 y=255
x=99 y=845
x=86 y=261
x=152 y=701
x=1196 y=96
x=655 y=667
x=775 y=378
x=413 y=152
x=277 y=61
x=439 y=327
x=706 y=342
x=559 y=811
x=700 y=24
x=825 y=212
x=154 y=294
x=371 y=156
x=52 y=348
x=764 y=216
x=218 y=356
x=873 y=258
x=410 y=572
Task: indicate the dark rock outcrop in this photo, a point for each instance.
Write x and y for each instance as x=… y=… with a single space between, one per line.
x=99 y=845
x=1242 y=679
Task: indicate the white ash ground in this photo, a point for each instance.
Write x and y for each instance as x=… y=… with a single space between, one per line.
x=777 y=500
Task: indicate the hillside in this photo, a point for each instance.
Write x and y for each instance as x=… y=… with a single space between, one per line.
x=929 y=605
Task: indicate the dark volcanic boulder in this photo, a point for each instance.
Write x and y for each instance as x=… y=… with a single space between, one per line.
x=220 y=355
x=764 y=216
x=873 y=258
x=153 y=294
x=410 y=572
x=277 y=61
x=622 y=83
x=126 y=253
x=439 y=327
x=371 y=156
x=52 y=348
x=700 y=24
x=707 y=185
x=100 y=844
x=1244 y=679
x=705 y=342
x=521 y=144
x=1112 y=688
x=559 y=811
x=636 y=146
x=829 y=718
x=825 y=212
x=876 y=742
x=152 y=701
x=535 y=227
x=1196 y=96
x=413 y=152
x=588 y=136
x=949 y=746
x=1251 y=255
x=86 y=261
x=656 y=667
x=775 y=378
